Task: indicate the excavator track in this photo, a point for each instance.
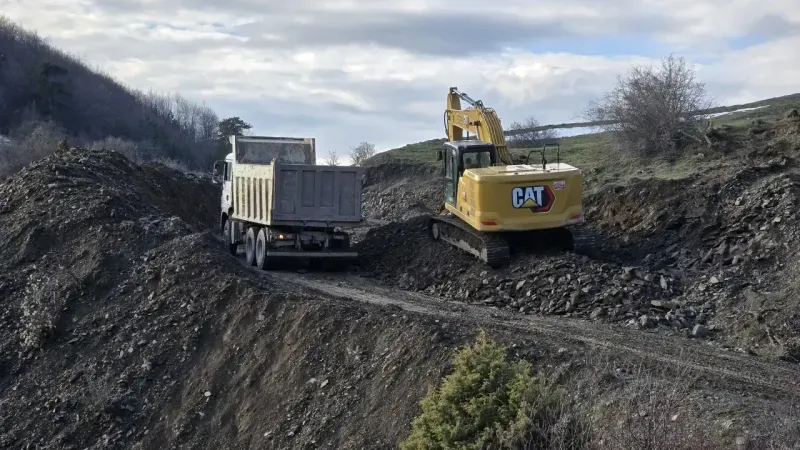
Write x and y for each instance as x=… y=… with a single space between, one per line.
x=490 y=248
x=495 y=249
x=584 y=241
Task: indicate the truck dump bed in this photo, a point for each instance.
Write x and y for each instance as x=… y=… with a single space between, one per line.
x=317 y=193
x=271 y=191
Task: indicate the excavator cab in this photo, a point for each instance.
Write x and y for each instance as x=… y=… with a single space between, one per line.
x=459 y=156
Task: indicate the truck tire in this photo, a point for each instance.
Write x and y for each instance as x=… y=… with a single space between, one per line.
x=227 y=236
x=261 y=249
x=250 y=246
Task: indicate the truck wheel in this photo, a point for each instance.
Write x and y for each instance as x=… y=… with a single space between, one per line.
x=227 y=235
x=261 y=249
x=250 y=246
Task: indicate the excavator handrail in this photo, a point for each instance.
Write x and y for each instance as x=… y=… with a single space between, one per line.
x=543 y=151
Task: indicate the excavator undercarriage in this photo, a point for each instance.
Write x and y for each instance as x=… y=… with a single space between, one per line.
x=496 y=248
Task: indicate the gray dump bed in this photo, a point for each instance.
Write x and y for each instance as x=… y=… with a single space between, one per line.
x=310 y=193
x=276 y=182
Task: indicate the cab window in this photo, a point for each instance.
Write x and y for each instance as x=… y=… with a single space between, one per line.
x=477 y=160
x=227 y=171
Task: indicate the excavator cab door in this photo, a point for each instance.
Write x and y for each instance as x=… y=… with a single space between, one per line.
x=450 y=175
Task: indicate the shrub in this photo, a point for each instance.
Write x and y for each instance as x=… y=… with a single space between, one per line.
x=527 y=135
x=361 y=153
x=30 y=142
x=128 y=148
x=653 y=111
x=489 y=401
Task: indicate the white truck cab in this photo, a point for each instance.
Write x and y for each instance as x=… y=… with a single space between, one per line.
x=223 y=171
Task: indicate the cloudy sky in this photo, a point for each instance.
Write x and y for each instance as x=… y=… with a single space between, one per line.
x=346 y=71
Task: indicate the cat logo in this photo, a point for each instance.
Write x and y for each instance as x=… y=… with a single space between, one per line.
x=535 y=198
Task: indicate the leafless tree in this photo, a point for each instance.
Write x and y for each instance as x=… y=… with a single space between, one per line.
x=530 y=136
x=361 y=153
x=333 y=158
x=651 y=109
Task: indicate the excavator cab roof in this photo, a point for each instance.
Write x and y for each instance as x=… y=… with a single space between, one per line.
x=470 y=145
x=478 y=159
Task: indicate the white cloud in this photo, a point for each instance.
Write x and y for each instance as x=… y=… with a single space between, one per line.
x=347 y=71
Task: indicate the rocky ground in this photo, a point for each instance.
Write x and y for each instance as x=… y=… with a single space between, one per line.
x=397 y=191
x=124 y=324
x=689 y=255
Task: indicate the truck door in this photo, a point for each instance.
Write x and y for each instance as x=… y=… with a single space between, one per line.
x=226 y=187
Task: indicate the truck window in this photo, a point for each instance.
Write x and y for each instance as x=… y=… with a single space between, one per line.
x=227 y=171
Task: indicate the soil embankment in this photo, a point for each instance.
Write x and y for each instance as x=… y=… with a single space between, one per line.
x=124 y=323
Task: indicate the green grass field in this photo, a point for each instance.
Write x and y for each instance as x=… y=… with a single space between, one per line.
x=596 y=153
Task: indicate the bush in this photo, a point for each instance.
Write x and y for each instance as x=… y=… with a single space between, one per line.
x=30 y=142
x=653 y=112
x=526 y=135
x=180 y=166
x=128 y=148
x=361 y=153
x=491 y=402
x=655 y=413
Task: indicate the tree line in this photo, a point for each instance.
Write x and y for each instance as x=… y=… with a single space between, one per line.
x=47 y=95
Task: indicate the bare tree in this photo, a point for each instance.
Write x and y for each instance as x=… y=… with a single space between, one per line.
x=529 y=136
x=333 y=158
x=652 y=111
x=361 y=153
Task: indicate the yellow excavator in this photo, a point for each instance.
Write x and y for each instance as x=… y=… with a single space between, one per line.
x=494 y=206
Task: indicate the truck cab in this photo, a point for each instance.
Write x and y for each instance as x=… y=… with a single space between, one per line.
x=223 y=170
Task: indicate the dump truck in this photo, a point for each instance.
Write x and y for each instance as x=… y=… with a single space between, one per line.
x=283 y=206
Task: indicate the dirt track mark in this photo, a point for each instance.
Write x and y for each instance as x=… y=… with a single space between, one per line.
x=723 y=368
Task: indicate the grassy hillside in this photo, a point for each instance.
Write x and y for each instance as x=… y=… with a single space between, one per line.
x=596 y=153
x=47 y=94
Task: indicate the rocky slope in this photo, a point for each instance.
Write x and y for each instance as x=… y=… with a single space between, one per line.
x=123 y=323
x=678 y=255
x=398 y=190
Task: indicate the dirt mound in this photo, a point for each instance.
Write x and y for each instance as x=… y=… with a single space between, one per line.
x=124 y=324
x=395 y=170
x=188 y=350
x=672 y=255
x=401 y=190
x=550 y=282
x=85 y=200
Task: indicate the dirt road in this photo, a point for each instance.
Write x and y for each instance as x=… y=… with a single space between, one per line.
x=726 y=369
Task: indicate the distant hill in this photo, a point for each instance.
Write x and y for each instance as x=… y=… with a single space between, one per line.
x=46 y=94
x=588 y=140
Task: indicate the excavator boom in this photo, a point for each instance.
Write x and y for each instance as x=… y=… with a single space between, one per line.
x=478 y=119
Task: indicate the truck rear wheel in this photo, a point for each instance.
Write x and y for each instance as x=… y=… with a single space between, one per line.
x=261 y=249
x=250 y=246
x=227 y=236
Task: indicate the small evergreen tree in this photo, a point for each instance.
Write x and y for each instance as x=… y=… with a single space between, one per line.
x=489 y=402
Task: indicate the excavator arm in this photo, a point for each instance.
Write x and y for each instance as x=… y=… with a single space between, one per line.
x=479 y=120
